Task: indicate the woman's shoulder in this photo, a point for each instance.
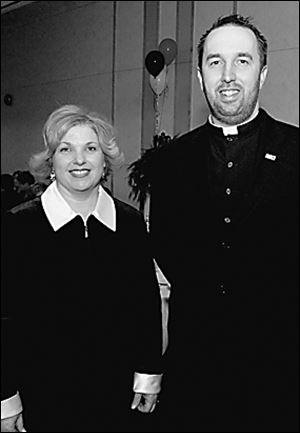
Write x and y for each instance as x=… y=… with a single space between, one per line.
x=29 y=213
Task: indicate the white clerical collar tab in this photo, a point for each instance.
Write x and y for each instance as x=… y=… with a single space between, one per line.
x=227 y=130
x=270 y=156
x=230 y=130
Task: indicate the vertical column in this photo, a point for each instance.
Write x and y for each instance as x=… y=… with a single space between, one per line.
x=151 y=17
x=127 y=87
x=183 y=66
x=167 y=29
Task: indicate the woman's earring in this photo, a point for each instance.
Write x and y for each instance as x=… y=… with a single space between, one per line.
x=52 y=176
x=103 y=177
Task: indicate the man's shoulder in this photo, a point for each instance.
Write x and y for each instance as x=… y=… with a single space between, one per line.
x=126 y=212
x=188 y=137
x=182 y=146
x=283 y=128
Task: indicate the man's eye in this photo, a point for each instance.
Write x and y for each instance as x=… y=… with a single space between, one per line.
x=243 y=61
x=214 y=63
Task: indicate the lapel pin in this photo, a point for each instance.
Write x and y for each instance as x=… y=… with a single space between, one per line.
x=269 y=156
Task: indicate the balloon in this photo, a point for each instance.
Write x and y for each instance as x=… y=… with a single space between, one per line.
x=158 y=84
x=154 y=62
x=168 y=48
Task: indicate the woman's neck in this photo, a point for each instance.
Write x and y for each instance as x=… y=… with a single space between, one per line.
x=82 y=203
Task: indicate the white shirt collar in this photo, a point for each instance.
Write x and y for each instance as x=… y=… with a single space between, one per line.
x=60 y=213
x=233 y=130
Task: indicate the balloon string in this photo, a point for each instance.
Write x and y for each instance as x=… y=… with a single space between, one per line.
x=157 y=114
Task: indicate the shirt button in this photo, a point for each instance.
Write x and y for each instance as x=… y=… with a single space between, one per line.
x=225 y=245
x=228 y=191
x=227 y=220
x=229 y=138
x=230 y=164
x=222 y=289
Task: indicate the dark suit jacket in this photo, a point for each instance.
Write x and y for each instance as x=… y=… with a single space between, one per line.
x=243 y=335
x=83 y=314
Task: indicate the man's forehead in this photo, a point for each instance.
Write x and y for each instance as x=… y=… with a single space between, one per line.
x=230 y=38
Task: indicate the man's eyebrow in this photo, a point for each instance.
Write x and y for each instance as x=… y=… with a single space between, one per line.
x=245 y=55
x=212 y=56
x=218 y=55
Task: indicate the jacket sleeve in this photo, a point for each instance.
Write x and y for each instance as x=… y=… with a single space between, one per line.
x=164 y=203
x=9 y=358
x=148 y=315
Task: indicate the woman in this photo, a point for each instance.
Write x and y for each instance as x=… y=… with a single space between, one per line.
x=81 y=296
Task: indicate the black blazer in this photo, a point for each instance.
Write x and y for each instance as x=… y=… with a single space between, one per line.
x=255 y=312
x=82 y=315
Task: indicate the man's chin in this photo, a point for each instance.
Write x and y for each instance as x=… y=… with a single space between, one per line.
x=230 y=117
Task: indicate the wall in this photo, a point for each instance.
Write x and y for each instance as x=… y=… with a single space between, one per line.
x=92 y=53
x=279 y=22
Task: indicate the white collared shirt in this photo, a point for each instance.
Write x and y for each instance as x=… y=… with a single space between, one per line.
x=59 y=212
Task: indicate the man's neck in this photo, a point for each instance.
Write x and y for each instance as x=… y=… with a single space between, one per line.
x=219 y=124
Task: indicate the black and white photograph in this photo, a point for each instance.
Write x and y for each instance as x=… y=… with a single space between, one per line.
x=150 y=216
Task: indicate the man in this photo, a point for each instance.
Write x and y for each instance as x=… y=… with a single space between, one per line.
x=224 y=225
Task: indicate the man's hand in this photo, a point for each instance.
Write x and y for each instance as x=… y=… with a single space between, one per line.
x=144 y=402
x=14 y=423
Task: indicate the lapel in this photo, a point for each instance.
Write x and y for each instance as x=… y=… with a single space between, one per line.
x=272 y=165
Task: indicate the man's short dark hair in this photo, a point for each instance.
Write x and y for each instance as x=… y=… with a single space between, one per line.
x=236 y=20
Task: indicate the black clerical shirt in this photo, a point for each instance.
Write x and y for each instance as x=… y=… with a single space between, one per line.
x=232 y=164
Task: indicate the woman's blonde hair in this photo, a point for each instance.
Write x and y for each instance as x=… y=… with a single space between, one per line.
x=58 y=124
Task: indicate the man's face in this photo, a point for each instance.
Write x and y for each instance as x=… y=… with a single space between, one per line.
x=231 y=78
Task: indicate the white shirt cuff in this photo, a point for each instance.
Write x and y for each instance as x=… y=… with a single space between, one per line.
x=147 y=383
x=11 y=406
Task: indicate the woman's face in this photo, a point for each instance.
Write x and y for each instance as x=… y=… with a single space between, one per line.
x=78 y=161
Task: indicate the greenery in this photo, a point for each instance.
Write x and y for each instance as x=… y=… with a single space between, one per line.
x=143 y=169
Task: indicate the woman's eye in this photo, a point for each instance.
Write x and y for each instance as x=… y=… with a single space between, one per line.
x=92 y=148
x=64 y=149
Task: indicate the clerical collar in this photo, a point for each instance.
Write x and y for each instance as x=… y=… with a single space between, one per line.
x=233 y=129
x=59 y=213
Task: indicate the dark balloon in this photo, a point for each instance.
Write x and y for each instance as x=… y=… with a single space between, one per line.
x=154 y=62
x=168 y=48
x=8 y=99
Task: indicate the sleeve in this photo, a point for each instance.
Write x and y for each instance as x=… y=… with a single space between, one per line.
x=9 y=358
x=162 y=217
x=147 y=383
x=11 y=406
x=148 y=320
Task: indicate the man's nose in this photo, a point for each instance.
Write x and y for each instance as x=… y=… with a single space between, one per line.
x=228 y=73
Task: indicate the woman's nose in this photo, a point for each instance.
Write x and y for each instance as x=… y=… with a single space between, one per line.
x=79 y=157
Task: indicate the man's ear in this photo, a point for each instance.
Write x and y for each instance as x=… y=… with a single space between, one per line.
x=263 y=76
x=200 y=79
